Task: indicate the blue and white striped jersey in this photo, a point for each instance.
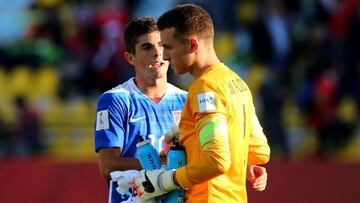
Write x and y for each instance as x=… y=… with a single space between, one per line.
x=124 y=113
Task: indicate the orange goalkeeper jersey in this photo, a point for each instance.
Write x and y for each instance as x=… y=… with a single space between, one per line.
x=217 y=173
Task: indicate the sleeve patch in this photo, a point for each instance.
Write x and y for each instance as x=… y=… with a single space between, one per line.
x=102 y=120
x=206 y=101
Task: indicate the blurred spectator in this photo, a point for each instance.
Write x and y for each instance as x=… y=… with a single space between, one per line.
x=333 y=128
x=350 y=75
x=278 y=30
x=108 y=61
x=322 y=108
x=4 y=137
x=27 y=138
x=100 y=47
x=270 y=35
x=272 y=119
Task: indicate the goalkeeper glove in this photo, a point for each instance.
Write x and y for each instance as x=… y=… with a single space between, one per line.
x=154 y=183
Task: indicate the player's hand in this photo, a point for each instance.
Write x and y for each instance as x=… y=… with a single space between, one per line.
x=257 y=175
x=172 y=135
x=154 y=183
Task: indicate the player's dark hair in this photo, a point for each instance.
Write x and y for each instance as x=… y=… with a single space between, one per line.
x=137 y=27
x=188 y=19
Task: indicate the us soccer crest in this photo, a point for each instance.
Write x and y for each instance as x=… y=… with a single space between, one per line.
x=176 y=116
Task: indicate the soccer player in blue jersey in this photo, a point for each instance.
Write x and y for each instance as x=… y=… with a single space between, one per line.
x=146 y=105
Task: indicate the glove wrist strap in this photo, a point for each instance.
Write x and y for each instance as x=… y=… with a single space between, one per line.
x=167 y=181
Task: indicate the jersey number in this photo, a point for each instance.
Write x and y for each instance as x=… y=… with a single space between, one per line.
x=158 y=143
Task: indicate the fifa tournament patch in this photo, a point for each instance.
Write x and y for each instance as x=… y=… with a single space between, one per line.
x=206 y=101
x=177 y=116
x=102 y=120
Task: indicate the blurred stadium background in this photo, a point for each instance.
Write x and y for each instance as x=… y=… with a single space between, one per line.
x=301 y=59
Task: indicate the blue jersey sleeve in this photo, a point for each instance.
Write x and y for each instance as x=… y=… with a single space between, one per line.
x=110 y=120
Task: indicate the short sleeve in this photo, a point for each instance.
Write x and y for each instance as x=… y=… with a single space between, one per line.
x=109 y=122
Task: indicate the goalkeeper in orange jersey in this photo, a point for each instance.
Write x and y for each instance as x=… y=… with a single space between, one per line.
x=218 y=128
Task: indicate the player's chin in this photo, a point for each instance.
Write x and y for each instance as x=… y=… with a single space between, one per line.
x=160 y=75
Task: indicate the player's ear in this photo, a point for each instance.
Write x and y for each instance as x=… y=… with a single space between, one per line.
x=129 y=57
x=194 y=44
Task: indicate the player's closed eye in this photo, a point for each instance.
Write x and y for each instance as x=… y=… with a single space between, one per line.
x=146 y=46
